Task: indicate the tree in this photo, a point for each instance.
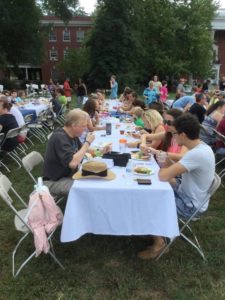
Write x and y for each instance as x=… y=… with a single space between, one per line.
x=20 y=39
x=135 y=39
x=76 y=64
x=61 y=8
x=114 y=46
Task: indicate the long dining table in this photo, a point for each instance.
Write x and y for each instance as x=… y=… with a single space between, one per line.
x=33 y=108
x=120 y=206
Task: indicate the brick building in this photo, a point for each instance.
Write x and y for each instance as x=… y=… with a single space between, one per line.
x=62 y=38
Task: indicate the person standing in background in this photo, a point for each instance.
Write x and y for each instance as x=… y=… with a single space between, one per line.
x=67 y=91
x=222 y=84
x=180 y=91
x=114 y=87
x=163 y=91
x=81 y=92
x=157 y=85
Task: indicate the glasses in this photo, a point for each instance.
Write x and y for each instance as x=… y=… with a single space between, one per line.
x=168 y=122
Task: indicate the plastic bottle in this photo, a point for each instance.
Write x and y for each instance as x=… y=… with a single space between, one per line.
x=129 y=166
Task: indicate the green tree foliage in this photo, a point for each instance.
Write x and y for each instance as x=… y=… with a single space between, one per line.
x=76 y=64
x=20 y=40
x=61 y=8
x=135 y=39
x=114 y=46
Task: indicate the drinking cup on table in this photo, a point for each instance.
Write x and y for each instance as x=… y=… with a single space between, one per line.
x=122 y=145
x=122 y=132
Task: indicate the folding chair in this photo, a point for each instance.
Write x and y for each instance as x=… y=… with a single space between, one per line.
x=2 y=136
x=21 y=223
x=185 y=223
x=12 y=133
x=30 y=161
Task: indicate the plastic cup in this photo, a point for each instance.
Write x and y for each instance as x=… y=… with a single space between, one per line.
x=122 y=145
x=161 y=158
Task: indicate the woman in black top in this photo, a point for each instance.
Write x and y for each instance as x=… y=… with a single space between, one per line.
x=7 y=122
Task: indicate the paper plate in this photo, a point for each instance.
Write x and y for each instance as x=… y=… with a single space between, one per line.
x=135 y=156
x=143 y=174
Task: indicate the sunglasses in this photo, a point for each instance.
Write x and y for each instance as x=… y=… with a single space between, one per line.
x=168 y=122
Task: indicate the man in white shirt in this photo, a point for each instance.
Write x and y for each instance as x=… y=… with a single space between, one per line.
x=18 y=115
x=190 y=177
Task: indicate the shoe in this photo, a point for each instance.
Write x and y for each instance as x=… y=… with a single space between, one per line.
x=151 y=252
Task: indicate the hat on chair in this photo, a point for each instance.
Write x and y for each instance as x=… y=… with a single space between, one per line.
x=94 y=169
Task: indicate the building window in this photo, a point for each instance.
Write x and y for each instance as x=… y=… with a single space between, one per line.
x=66 y=51
x=66 y=35
x=53 y=54
x=52 y=36
x=80 y=36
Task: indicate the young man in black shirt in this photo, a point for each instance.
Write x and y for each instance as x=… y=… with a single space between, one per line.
x=198 y=108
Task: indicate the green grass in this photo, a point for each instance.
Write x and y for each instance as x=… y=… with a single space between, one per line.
x=106 y=267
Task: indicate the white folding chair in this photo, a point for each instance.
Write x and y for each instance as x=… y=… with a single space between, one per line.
x=32 y=160
x=11 y=134
x=21 y=223
x=185 y=223
x=2 y=136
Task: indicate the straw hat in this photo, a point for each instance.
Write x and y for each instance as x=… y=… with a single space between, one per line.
x=94 y=169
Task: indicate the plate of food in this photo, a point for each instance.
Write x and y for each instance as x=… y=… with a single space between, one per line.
x=139 y=155
x=142 y=170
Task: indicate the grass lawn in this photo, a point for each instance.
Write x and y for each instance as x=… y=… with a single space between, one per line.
x=106 y=267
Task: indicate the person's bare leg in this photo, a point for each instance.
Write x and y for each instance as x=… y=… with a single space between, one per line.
x=153 y=251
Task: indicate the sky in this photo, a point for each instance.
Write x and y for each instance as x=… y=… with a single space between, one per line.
x=89 y=5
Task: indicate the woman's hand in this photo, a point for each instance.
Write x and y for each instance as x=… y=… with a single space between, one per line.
x=153 y=151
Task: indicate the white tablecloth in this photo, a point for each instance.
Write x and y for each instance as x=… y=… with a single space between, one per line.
x=38 y=108
x=120 y=206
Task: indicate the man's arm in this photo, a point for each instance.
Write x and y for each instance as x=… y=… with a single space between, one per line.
x=79 y=155
x=166 y=174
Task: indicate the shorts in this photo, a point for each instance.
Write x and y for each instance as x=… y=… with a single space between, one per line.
x=185 y=209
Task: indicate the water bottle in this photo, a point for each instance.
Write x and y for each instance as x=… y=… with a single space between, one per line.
x=108 y=128
x=129 y=166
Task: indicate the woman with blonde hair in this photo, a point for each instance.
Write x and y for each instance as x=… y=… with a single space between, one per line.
x=153 y=122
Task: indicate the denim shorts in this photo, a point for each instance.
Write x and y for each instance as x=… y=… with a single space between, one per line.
x=185 y=209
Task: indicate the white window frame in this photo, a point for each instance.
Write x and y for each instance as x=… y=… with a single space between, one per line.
x=52 y=36
x=65 y=52
x=66 y=35
x=80 y=36
x=53 y=54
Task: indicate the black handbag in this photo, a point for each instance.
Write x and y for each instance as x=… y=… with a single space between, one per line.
x=119 y=159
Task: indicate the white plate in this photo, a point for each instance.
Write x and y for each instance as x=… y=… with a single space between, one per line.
x=140 y=159
x=143 y=174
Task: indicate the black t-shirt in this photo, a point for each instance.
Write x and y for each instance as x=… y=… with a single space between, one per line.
x=222 y=86
x=199 y=111
x=58 y=155
x=81 y=90
x=8 y=121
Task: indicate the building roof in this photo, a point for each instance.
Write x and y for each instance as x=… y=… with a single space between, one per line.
x=75 y=21
x=219 y=21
